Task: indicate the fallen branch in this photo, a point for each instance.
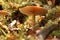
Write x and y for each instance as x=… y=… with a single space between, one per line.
x=46 y=31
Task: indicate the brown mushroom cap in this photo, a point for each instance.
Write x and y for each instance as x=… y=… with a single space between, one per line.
x=2 y=12
x=33 y=10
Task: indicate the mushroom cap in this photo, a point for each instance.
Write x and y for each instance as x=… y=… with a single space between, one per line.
x=33 y=10
x=2 y=12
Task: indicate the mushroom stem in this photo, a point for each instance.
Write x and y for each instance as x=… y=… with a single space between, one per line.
x=33 y=20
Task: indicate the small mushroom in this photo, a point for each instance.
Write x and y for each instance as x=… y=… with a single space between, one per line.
x=3 y=15
x=32 y=11
x=2 y=12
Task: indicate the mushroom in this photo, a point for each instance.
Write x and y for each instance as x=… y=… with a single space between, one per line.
x=2 y=12
x=3 y=15
x=32 y=11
